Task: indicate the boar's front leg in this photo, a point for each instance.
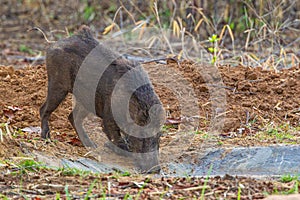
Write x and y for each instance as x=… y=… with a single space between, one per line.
x=76 y=118
x=112 y=131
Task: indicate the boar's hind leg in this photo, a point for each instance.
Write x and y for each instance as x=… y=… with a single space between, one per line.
x=76 y=118
x=54 y=97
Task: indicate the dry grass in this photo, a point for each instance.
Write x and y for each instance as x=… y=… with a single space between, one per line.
x=251 y=33
x=263 y=34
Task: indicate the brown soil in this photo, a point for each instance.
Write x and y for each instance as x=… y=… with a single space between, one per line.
x=268 y=97
x=255 y=98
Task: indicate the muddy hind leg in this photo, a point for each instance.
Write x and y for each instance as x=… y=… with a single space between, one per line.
x=76 y=118
x=54 y=98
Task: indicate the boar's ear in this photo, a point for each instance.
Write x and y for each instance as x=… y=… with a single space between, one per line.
x=122 y=65
x=120 y=61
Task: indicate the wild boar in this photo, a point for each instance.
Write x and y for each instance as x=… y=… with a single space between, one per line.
x=113 y=88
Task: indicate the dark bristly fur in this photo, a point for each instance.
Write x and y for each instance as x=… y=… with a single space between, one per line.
x=64 y=59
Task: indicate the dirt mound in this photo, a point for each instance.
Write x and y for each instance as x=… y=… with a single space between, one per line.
x=254 y=97
x=254 y=100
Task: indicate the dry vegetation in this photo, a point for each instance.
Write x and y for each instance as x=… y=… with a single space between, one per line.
x=251 y=33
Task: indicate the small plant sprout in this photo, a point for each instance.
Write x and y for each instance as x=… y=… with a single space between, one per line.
x=2 y=196
x=68 y=171
x=288 y=178
x=127 y=196
x=241 y=186
x=205 y=182
x=126 y=173
x=89 y=192
x=168 y=128
x=68 y=195
x=89 y=13
x=29 y=165
x=214 y=38
x=57 y=196
x=25 y=49
x=213 y=49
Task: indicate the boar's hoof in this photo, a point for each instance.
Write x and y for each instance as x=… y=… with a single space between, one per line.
x=45 y=134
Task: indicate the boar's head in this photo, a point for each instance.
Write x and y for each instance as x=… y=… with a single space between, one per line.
x=140 y=117
x=146 y=109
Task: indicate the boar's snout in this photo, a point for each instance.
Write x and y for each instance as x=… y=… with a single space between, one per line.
x=157 y=113
x=145 y=152
x=145 y=147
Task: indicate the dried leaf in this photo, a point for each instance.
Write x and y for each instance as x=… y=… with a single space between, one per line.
x=229 y=30
x=176 y=28
x=32 y=129
x=75 y=142
x=198 y=24
x=9 y=113
x=172 y=121
x=108 y=29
